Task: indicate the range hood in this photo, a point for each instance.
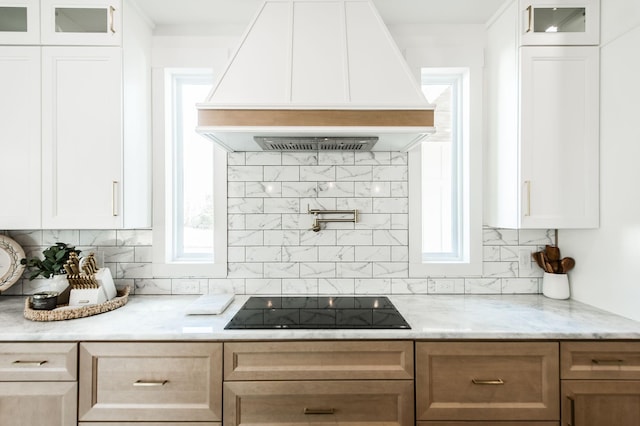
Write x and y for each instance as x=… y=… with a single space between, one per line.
x=316 y=74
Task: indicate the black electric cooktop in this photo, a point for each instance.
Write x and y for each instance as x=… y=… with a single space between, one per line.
x=302 y=312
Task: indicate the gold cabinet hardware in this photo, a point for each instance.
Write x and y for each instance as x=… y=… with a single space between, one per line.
x=150 y=383
x=530 y=19
x=111 y=19
x=319 y=411
x=21 y=362
x=528 y=185
x=495 y=382
x=572 y=412
x=607 y=361
x=114 y=198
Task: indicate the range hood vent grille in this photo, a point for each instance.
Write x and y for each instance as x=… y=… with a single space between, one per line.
x=295 y=143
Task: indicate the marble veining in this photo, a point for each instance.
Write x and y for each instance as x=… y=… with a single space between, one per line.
x=430 y=317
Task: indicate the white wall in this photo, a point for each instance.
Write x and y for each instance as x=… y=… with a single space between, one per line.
x=607 y=273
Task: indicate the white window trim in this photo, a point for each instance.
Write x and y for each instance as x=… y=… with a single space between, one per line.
x=472 y=182
x=162 y=214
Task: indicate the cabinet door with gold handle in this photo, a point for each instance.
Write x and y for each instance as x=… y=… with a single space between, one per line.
x=600 y=402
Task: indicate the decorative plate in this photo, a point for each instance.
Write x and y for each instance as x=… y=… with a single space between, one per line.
x=10 y=268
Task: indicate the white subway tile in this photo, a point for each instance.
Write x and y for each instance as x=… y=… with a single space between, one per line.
x=363 y=205
x=299 y=189
x=399 y=254
x=317 y=270
x=373 y=158
x=373 y=286
x=399 y=158
x=317 y=173
x=390 y=205
x=70 y=237
x=509 y=253
x=520 y=285
x=372 y=253
x=134 y=270
x=118 y=254
x=297 y=221
x=236 y=222
x=244 y=270
x=263 y=286
x=143 y=254
x=335 y=189
x=336 y=254
x=360 y=237
x=134 y=237
x=390 y=173
x=299 y=286
x=395 y=237
x=499 y=269
x=391 y=269
x=189 y=286
x=335 y=286
x=400 y=221
x=234 y=286
x=245 y=173
x=499 y=237
x=326 y=237
x=354 y=173
x=263 y=221
x=263 y=189
x=281 y=205
x=236 y=159
x=98 y=238
x=299 y=254
x=354 y=270
x=446 y=286
x=281 y=270
x=536 y=237
x=300 y=158
x=409 y=286
x=491 y=253
x=281 y=238
x=281 y=173
x=235 y=254
x=27 y=238
x=235 y=189
x=263 y=158
x=483 y=286
x=263 y=254
x=373 y=221
x=335 y=158
x=317 y=204
x=153 y=286
x=245 y=238
x=399 y=189
x=245 y=205
x=372 y=189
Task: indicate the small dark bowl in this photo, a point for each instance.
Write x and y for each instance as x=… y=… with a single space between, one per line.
x=44 y=301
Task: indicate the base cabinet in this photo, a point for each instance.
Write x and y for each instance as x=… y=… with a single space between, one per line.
x=488 y=424
x=38 y=403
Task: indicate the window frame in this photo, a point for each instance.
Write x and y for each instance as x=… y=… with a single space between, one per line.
x=164 y=196
x=470 y=180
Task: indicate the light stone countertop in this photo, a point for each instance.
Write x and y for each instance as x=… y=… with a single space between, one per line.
x=157 y=318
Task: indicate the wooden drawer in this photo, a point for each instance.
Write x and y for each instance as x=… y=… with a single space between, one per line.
x=150 y=424
x=487 y=381
x=38 y=403
x=601 y=402
x=26 y=362
x=388 y=402
x=488 y=424
x=150 y=382
x=327 y=360
x=600 y=360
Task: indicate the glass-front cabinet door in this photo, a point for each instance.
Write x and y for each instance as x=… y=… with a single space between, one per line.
x=20 y=22
x=81 y=22
x=560 y=22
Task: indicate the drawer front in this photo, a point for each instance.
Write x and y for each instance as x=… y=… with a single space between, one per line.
x=600 y=360
x=38 y=404
x=487 y=381
x=150 y=382
x=488 y=424
x=150 y=424
x=601 y=402
x=327 y=360
x=27 y=362
x=388 y=402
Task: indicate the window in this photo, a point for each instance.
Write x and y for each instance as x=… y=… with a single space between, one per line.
x=190 y=206
x=444 y=183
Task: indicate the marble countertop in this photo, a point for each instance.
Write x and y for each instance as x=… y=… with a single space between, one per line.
x=431 y=317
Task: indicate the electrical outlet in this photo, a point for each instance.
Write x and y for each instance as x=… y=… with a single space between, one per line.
x=524 y=259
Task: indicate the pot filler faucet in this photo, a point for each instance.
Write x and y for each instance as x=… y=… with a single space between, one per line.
x=315 y=227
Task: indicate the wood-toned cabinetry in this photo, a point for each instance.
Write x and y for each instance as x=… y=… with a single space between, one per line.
x=487 y=381
x=150 y=382
x=38 y=384
x=600 y=383
x=542 y=156
x=319 y=382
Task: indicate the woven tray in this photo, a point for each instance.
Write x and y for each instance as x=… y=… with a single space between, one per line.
x=65 y=313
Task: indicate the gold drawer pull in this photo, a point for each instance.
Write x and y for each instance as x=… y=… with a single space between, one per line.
x=150 y=383
x=29 y=362
x=607 y=361
x=487 y=382
x=319 y=411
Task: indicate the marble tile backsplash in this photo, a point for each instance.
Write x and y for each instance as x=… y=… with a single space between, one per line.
x=272 y=251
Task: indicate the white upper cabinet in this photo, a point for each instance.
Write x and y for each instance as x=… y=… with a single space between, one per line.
x=20 y=22
x=542 y=150
x=81 y=138
x=20 y=141
x=81 y=22
x=559 y=22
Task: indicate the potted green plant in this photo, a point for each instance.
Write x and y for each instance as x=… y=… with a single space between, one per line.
x=52 y=267
x=53 y=263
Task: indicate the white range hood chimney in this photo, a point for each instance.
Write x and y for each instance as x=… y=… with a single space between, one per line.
x=316 y=74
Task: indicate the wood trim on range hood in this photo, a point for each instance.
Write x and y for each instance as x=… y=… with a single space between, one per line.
x=316 y=68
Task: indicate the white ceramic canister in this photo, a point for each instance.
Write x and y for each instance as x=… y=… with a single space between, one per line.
x=555 y=286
